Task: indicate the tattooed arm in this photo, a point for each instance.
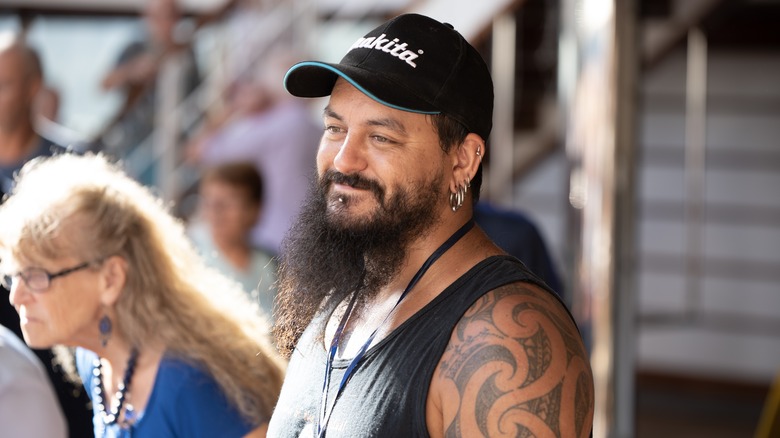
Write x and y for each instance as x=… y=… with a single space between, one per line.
x=515 y=366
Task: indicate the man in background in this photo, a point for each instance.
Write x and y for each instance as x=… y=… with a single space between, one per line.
x=21 y=79
x=136 y=76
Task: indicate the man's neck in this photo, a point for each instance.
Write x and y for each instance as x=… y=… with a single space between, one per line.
x=17 y=144
x=381 y=304
x=379 y=315
x=423 y=247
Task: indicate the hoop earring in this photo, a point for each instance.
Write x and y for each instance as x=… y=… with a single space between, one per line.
x=105 y=327
x=457 y=198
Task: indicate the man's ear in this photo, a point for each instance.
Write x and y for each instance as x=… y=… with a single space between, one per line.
x=113 y=277
x=466 y=160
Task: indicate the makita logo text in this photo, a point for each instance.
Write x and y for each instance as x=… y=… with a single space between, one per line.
x=393 y=47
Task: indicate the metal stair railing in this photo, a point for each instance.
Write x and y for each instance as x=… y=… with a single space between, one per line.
x=162 y=147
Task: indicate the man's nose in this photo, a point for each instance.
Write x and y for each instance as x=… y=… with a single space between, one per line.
x=350 y=158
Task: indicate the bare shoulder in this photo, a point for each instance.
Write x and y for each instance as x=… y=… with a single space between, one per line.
x=515 y=366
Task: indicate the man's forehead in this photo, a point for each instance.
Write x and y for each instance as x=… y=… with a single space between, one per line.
x=346 y=95
x=391 y=122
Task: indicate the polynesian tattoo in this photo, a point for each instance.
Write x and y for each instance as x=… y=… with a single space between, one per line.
x=519 y=367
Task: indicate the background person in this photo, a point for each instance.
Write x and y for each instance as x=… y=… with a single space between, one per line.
x=136 y=73
x=28 y=405
x=21 y=80
x=166 y=346
x=518 y=235
x=230 y=203
x=267 y=127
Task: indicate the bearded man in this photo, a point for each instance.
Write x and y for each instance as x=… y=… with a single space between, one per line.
x=402 y=318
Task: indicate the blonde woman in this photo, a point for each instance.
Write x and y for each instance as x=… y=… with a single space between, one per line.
x=165 y=346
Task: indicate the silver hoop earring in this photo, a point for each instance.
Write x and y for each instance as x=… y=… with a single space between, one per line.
x=454 y=204
x=457 y=198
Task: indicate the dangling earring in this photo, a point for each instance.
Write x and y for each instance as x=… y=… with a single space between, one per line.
x=457 y=198
x=105 y=330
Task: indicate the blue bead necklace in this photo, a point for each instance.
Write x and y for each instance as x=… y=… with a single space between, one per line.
x=99 y=391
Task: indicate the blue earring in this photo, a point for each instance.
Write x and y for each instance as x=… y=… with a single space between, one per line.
x=105 y=330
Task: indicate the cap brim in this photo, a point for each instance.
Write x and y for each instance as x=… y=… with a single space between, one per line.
x=316 y=79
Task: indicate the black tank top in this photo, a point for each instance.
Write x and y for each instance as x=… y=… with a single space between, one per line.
x=387 y=393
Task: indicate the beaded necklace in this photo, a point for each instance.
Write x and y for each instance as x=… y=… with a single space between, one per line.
x=99 y=391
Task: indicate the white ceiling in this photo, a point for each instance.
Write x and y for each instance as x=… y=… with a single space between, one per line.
x=348 y=7
x=102 y=5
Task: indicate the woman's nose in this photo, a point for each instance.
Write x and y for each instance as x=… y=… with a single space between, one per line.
x=18 y=292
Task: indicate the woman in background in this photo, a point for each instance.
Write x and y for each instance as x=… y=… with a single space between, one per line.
x=166 y=346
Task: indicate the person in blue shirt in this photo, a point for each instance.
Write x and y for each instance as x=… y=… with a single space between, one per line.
x=518 y=235
x=166 y=347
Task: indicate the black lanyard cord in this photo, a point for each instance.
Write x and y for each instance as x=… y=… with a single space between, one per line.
x=324 y=416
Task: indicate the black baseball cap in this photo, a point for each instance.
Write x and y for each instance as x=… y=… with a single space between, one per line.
x=411 y=63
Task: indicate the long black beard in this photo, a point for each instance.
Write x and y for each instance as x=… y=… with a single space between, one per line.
x=327 y=256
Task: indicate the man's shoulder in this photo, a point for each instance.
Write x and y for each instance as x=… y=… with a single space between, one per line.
x=515 y=355
x=517 y=307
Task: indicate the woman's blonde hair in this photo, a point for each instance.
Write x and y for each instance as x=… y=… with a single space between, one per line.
x=86 y=207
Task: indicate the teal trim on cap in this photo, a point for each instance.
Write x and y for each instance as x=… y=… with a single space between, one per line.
x=355 y=84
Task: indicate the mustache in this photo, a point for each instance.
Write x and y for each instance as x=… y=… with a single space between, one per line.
x=352 y=180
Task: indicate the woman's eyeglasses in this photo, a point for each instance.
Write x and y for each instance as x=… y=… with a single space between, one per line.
x=38 y=279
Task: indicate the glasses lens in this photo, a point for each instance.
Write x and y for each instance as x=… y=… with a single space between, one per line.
x=36 y=279
x=7 y=281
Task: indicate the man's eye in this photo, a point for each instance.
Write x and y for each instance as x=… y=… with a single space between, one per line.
x=333 y=129
x=381 y=139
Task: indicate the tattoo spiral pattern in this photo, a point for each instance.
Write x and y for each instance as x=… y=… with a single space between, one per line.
x=517 y=369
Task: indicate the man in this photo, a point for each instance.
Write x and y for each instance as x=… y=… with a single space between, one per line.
x=20 y=79
x=136 y=75
x=406 y=319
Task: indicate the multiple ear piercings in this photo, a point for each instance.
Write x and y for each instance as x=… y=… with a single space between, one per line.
x=457 y=198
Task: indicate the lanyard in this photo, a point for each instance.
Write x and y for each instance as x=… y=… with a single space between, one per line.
x=324 y=416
